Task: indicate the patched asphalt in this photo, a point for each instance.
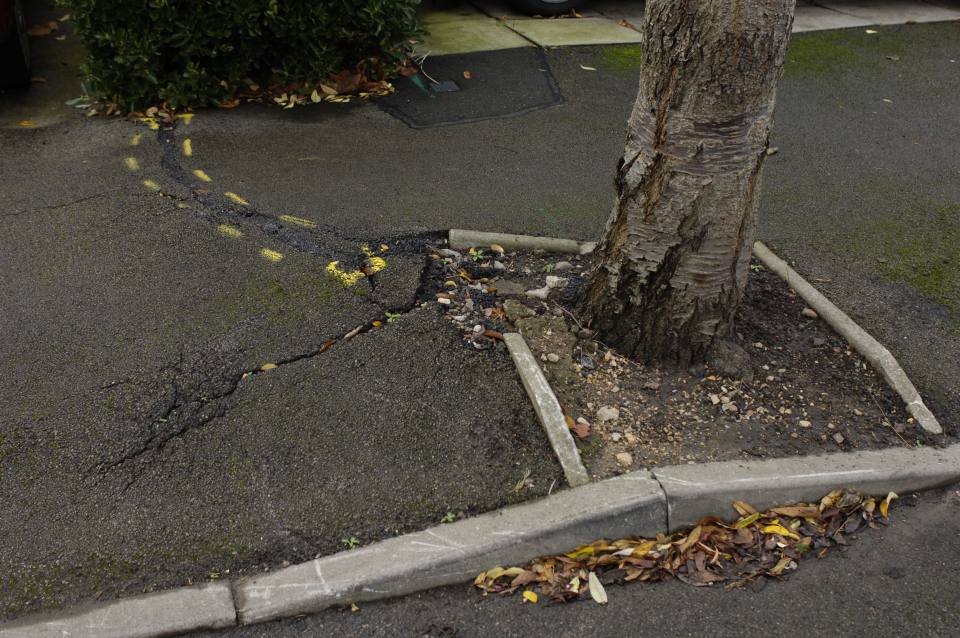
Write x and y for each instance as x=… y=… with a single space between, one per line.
x=133 y=456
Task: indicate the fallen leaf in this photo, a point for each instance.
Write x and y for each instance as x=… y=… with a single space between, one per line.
x=267 y=367
x=780 y=530
x=315 y=97
x=587 y=68
x=744 y=509
x=801 y=511
x=885 y=505
x=467 y=75
x=597 y=591
x=529 y=595
x=40 y=30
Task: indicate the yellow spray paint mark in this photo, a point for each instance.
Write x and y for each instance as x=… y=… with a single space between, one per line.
x=299 y=221
x=151 y=123
x=344 y=277
x=131 y=163
x=203 y=177
x=26 y=123
x=186 y=117
x=152 y=185
x=270 y=255
x=229 y=230
x=135 y=140
x=188 y=147
x=236 y=198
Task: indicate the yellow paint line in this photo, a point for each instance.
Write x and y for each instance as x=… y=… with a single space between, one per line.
x=131 y=163
x=271 y=255
x=186 y=117
x=152 y=185
x=299 y=221
x=135 y=140
x=236 y=198
x=203 y=177
x=346 y=278
x=188 y=147
x=229 y=230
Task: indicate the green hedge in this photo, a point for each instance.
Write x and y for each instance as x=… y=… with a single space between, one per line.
x=198 y=52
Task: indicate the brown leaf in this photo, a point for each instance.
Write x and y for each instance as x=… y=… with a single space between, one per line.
x=493 y=334
x=800 y=511
x=347 y=81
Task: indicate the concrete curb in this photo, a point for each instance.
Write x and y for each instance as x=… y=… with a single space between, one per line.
x=167 y=613
x=455 y=553
x=461 y=239
x=635 y=504
x=548 y=410
x=878 y=356
x=695 y=491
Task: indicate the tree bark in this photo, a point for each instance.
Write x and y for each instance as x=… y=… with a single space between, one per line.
x=672 y=263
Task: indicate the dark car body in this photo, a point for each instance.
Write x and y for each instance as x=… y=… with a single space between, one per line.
x=14 y=51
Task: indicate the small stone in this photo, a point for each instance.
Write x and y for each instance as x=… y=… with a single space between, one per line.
x=625 y=459
x=729 y=407
x=805 y=424
x=651 y=385
x=539 y=293
x=794 y=435
x=452 y=254
x=516 y=310
x=810 y=313
x=586 y=333
x=498 y=265
x=608 y=356
x=556 y=282
x=552 y=358
x=831 y=426
x=819 y=341
x=497 y=248
x=630 y=438
x=615 y=437
x=858 y=412
x=587 y=362
x=608 y=413
x=561 y=266
x=714 y=399
x=444 y=301
x=899 y=428
x=582 y=420
x=838 y=438
x=478 y=328
x=773 y=150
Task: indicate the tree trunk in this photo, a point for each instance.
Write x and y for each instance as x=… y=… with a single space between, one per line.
x=672 y=264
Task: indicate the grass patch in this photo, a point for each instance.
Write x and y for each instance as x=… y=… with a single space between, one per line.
x=622 y=58
x=920 y=248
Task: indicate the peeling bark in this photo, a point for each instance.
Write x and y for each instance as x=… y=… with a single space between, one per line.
x=672 y=263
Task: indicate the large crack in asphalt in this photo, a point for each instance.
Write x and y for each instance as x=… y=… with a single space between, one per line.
x=201 y=386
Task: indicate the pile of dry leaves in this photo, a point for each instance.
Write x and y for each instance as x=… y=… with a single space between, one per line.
x=759 y=544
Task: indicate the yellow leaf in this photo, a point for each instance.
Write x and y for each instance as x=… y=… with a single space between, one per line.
x=575 y=585
x=749 y=520
x=202 y=175
x=597 y=591
x=267 y=367
x=315 y=97
x=885 y=505
x=377 y=324
x=186 y=117
x=744 y=509
x=691 y=539
x=131 y=163
x=781 y=565
x=781 y=530
x=152 y=185
x=187 y=147
x=135 y=140
x=529 y=595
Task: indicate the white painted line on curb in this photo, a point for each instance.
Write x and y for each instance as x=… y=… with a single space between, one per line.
x=548 y=409
x=878 y=356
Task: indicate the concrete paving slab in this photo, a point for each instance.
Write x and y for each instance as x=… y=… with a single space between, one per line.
x=810 y=17
x=894 y=11
x=478 y=33
x=571 y=32
x=165 y=614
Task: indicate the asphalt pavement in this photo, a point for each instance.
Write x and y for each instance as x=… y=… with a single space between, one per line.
x=134 y=454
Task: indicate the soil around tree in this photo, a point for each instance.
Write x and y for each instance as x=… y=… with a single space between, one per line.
x=784 y=384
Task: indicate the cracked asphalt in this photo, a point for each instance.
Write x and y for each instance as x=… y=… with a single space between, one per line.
x=135 y=455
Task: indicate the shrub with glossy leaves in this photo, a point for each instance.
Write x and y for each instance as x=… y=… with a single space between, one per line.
x=199 y=52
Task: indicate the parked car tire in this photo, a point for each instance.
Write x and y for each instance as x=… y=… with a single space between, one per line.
x=548 y=7
x=15 y=52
